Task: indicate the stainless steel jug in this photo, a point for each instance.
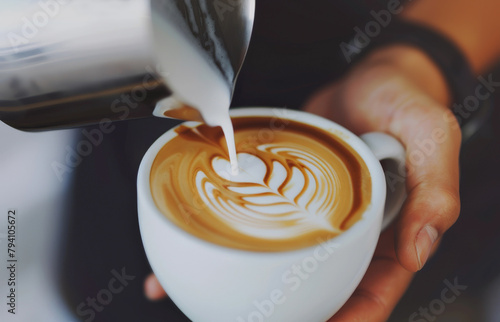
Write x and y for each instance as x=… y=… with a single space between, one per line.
x=67 y=63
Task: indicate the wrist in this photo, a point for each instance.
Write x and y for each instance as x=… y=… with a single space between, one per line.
x=416 y=66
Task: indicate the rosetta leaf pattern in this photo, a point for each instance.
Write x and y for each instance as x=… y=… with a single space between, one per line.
x=288 y=197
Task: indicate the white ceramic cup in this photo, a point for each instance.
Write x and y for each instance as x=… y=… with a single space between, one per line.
x=209 y=282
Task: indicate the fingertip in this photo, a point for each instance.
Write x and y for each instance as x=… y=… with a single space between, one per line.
x=406 y=253
x=153 y=289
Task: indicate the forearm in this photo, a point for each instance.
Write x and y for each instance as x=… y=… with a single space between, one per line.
x=473 y=25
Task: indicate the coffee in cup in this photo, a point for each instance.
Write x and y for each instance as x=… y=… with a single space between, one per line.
x=296 y=184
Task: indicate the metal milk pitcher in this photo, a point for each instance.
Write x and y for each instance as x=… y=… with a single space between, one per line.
x=67 y=63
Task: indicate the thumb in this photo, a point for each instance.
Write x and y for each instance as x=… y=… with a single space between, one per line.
x=433 y=204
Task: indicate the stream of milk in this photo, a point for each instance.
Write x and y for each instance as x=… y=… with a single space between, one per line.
x=193 y=77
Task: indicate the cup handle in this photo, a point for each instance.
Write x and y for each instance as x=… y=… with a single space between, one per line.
x=391 y=155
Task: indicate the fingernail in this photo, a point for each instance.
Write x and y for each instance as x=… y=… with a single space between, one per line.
x=425 y=239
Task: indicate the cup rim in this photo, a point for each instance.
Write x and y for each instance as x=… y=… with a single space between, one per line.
x=357 y=230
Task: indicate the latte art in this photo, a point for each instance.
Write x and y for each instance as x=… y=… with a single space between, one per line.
x=296 y=184
x=281 y=206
